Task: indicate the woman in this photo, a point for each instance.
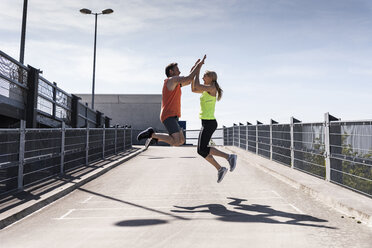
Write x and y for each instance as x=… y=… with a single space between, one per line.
x=210 y=91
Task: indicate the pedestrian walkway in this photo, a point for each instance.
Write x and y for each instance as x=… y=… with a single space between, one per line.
x=15 y=206
x=168 y=197
x=344 y=200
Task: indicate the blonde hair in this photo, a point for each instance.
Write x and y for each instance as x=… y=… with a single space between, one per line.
x=213 y=75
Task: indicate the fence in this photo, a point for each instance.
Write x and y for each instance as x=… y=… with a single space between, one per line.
x=335 y=150
x=24 y=93
x=193 y=135
x=28 y=156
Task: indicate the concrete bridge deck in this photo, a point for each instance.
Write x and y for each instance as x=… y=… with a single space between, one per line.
x=168 y=197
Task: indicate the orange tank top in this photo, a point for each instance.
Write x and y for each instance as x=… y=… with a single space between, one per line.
x=170 y=102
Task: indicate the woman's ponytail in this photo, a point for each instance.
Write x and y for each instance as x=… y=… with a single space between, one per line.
x=213 y=75
x=219 y=91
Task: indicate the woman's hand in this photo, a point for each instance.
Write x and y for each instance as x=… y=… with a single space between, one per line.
x=196 y=64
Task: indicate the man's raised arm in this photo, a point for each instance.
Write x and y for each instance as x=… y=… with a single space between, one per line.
x=183 y=81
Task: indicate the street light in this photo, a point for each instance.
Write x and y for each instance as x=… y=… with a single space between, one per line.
x=23 y=33
x=88 y=12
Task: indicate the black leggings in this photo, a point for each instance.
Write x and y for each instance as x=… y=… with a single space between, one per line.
x=208 y=128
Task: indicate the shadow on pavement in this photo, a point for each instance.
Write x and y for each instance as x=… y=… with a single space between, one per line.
x=265 y=214
x=157 y=157
x=132 y=204
x=35 y=191
x=141 y=222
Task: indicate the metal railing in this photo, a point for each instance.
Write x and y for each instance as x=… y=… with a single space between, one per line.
x=13 y=80
x=28 y=156
x=54 y=102
x=335 y=150
x=26 y=93
x=192 y=137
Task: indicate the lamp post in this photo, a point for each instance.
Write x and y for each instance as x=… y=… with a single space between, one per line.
x=23 y=33
x=88 y=12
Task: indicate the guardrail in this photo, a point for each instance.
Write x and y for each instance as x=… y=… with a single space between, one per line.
x=24 y=93
x=28 y=156
x=337 y=151
x=191 y=137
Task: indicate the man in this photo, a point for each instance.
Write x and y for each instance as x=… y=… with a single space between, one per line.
x=171 y=107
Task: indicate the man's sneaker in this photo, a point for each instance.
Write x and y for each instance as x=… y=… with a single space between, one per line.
x=147 y=143
x=232 y=161
x=150 y=141
x=145 y=134
x=221 y=173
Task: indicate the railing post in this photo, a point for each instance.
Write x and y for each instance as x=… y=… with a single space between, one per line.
x=271 y=139
x=86 y=114
x=258 y=123
x=116 y=132
x=223 y=135
x=63 y=134
x=227 y=137
x=75 y=111
x=292 y=142
x=327 y=147
x=22 y=134
x=32 y=96
x=257 y=138
x=98 y=119
x=54 y=99
x=239 y=135
x=234 y=134
x=327 y=140
x=131 y=137
x=272 y=122
x=246 y=137
x=87 y=147
x=103 y=140
x=293 y=121
x=248 y=124
x=124 y=136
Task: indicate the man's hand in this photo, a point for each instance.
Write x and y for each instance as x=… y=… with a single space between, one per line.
x=196 y=64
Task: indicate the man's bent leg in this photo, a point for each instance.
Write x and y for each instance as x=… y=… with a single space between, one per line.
x=179 y=138
x=175 y=139
x=164 y=138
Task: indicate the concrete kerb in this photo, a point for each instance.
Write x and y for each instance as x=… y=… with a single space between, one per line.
x=345 y=201
x=17 y=213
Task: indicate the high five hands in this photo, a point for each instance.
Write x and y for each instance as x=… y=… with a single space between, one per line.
x=199 y=63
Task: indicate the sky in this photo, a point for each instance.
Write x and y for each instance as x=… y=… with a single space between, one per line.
x=274 y=58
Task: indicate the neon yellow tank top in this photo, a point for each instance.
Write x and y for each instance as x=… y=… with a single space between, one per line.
x=207 y=106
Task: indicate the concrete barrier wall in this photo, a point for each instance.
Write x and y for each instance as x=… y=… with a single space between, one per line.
x=139 y=111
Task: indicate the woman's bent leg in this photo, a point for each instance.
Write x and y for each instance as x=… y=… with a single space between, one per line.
x=215 y=152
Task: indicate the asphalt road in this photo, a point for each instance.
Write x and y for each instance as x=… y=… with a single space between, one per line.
x=168 y=197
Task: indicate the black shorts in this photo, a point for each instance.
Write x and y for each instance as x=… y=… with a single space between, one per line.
x=171 y=124
x=205 y=135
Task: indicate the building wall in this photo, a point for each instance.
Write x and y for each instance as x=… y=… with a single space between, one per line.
x=139 y=111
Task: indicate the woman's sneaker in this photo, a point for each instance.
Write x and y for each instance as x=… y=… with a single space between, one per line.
x=232 y=161
x=221 y=174
x=145 y=134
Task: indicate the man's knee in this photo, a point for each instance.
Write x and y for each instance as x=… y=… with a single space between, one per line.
x=176 y=140
x=180 y=141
